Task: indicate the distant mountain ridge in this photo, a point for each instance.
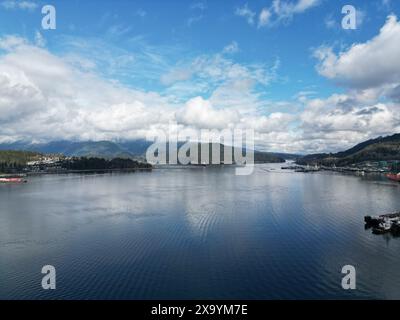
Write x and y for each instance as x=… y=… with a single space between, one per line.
x=135 y=149
x=102 y=149
x=379 y=149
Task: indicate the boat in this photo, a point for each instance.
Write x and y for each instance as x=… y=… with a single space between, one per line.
x=383 y=227
x=393 y=177
x=12 y=180
x=396 y=228
x=384 y=223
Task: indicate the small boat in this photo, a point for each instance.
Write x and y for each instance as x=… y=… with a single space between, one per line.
x=12 y=180
x=393 y=177
x=396 y=228
x=383 y=227
x=373 y=221
x=384 y=223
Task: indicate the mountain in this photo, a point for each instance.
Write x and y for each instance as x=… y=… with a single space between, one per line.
x=286 y=156
x=268 y=157
x=259 y=157
x=102 y=149
x=379 y=149
x=135 y=149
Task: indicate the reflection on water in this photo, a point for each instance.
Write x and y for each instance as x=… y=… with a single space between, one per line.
x=197 y=233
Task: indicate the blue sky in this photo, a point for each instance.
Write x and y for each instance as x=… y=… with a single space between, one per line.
x=203 y=61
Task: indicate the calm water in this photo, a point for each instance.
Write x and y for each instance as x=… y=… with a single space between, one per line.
x=197 y=233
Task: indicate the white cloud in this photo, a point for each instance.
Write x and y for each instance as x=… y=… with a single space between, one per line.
x=51 y=99
x=56 y=98
x=11 y=42
x=365 y=65
x=176 y=75
x=206 y=74
x=330 y=22
x=39 y=39
x=264 y=18
x=303 y=5
x=370 y=72
x=273 y=123
x=202 y=114
x=285 y=10
x=247 y=13
x=16 y=4
x=341 y=121
x=64 y=98
x=280 y=11
x=231 y=48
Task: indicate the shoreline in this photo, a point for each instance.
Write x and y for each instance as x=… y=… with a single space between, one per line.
x=33 y=173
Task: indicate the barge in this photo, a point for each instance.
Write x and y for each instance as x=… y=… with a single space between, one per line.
x=384 y=223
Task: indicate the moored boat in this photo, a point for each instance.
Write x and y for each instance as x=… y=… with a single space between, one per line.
x=383 y=227
x=384 y=223
x=393 y=177
x=12 y=180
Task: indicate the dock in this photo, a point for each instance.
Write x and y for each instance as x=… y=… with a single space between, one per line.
x=385 y=223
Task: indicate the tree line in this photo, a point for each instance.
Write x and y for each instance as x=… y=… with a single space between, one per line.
x=102 y=164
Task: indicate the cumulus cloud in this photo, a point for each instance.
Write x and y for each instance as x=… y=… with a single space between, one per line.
x=19 y=97
x=276 y=122
x=366 y=65
x=343 y=120
x=55 y=98
x=370 y=72
x=201 y=113
x=63 y=97
x=51 y=99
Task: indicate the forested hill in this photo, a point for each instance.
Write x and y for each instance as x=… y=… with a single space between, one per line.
x=379 y=149
x=16 y=160
x=110 y=150
x=18 y=157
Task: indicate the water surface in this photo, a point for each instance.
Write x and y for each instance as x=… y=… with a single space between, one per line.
x=201 y=233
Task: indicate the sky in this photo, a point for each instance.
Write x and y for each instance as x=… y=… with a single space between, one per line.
x=120 y=70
